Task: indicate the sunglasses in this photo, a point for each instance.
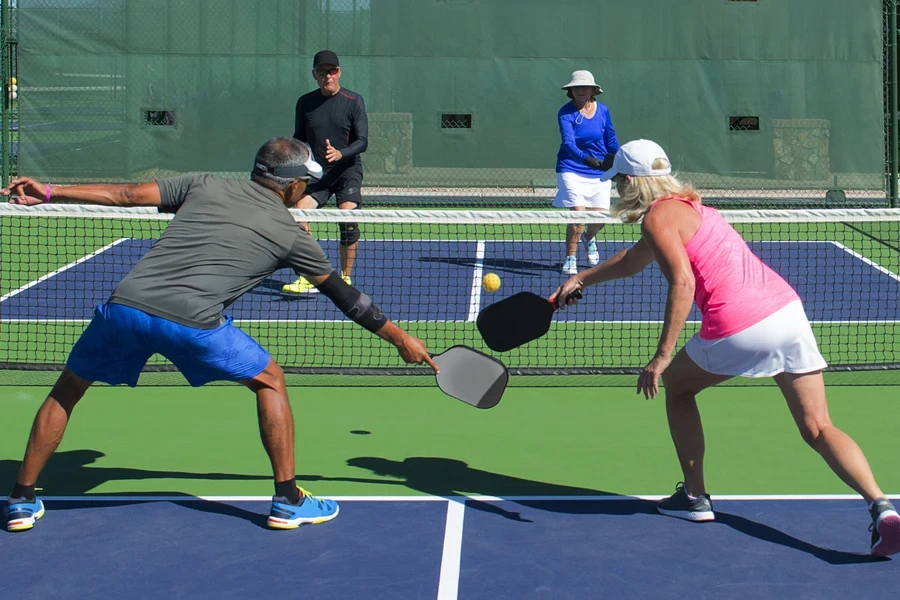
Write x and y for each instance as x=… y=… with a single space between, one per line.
x=326 y=72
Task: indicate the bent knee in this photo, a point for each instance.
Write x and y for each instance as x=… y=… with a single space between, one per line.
x=811 y=430
x=271 y=377
x=677 y=387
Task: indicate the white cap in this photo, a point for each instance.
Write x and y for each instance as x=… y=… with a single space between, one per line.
x=583 y=78
x=636 y=158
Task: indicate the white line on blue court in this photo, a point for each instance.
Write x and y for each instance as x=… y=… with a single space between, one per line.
x=475 y=295
x=448 y=585
x=287 y=321
x=871 y=263
x=61 y=269
x=87 y=499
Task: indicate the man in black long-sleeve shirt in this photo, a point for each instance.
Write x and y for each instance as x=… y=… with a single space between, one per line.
x=332 y=120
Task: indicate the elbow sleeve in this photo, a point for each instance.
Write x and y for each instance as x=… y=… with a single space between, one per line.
x=358 y=306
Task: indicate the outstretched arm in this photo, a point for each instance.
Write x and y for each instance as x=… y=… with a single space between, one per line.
x=30 y=192
x=665 y=241
x=360 y=309
x=626 y=263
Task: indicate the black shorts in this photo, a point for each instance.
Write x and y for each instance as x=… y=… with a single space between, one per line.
x=344 y=185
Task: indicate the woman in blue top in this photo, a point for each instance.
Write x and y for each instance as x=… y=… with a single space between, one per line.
x=588 y=137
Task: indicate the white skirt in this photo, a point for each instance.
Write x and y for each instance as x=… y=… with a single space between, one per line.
x=782 y=342
x=573 y=190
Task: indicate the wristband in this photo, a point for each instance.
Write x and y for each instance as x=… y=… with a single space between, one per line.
x=47 y=193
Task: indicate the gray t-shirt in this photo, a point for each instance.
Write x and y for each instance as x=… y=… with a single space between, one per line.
x=227 y=236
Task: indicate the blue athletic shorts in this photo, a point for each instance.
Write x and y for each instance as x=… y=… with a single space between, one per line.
x=119 y=340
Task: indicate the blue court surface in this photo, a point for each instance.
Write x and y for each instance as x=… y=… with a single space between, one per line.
x=435 y=548
x=440 y=281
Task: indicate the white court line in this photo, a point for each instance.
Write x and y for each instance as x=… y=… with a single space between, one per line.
x=448 y=586
x=871 y=263
x=475 y=296
x=458 y=500
x=288 y=321
x=61 y=269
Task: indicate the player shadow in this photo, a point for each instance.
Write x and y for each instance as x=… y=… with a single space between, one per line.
x=73 y=473
x=498 y=265
x=769 y=534
x=444 y=477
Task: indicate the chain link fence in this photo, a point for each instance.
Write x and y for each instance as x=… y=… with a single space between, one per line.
x=758 y=103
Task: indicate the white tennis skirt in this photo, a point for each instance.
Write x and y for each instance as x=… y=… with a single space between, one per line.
x=782 y=342
x=577 y=190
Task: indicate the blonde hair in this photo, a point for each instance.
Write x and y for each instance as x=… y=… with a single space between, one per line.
x=641 y=192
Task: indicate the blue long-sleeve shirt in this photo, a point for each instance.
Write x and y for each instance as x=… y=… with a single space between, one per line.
x=583 y=137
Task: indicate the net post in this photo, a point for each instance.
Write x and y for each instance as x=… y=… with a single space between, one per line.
x=893 y=125
x=5 y=32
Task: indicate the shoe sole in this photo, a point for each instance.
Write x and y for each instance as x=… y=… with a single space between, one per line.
x=889 y=532
x=26 y=523
x=698 y=516
x=298 y=293
x=276 y=523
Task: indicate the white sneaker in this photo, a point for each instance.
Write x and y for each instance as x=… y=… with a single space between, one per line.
x=570 y=267
x=591 y=248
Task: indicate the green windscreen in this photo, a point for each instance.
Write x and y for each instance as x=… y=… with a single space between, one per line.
x=759 y=103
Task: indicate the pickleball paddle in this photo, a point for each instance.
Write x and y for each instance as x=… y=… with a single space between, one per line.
x=471 y=376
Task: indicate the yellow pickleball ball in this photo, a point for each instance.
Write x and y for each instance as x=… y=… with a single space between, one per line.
x=491 y=282
x=12 y=81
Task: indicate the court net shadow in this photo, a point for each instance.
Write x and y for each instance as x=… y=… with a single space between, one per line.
x=446 y=477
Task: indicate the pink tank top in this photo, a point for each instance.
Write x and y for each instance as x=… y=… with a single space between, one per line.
x=733 y=288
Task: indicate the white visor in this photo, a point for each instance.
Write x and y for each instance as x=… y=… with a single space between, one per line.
x=314 y=168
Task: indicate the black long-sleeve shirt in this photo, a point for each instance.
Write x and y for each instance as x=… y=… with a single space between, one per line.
x=341 y=119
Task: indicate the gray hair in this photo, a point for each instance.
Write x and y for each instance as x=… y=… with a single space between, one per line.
x=279 y=152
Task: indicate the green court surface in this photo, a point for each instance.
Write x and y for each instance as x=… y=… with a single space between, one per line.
x=359 y=436
x=413 y=441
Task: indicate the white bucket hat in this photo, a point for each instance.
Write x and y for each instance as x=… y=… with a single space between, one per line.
x=583 y=78
x=636 y=158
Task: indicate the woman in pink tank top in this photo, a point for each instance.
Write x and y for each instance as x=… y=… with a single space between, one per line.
x=753 y=325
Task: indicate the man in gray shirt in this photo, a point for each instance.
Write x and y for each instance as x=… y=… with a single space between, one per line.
x=227 y=236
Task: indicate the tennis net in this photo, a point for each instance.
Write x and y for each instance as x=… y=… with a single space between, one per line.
x=425 y=270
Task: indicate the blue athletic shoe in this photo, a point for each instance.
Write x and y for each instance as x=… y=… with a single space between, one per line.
x=285 y=515
x=21 y=514
x=591 y=248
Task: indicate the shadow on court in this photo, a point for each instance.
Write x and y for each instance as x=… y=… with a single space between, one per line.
x=449 y=477
x=446 y=477
x=73 y=473
x=775 y=536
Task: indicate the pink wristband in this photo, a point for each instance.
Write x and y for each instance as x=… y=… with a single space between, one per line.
x=47 y=193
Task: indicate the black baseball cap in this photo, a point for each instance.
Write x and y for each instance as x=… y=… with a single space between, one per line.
x=325 y=57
